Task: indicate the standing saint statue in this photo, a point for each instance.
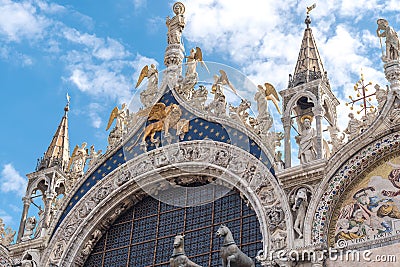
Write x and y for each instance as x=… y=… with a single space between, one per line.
x=353 y=128
x=176 y=24
x=392 y=40
x=306 y=141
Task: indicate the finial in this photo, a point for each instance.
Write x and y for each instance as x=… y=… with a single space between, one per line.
x=308 y=19
x=68 y=100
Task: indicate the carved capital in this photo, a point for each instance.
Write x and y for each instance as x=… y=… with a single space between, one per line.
x=392 y=73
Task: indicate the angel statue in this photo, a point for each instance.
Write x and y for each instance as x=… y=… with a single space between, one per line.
x=94 y=156
x=219 y=81
x=120 y=116
x=195 y=56
x=78 y=159
x=262 y=97
x=146 y=96
x=392 y=40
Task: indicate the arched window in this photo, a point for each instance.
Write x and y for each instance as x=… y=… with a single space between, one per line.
x=144 y=235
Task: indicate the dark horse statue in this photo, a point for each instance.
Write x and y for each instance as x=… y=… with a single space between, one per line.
x=231 y=255
x=178 y=258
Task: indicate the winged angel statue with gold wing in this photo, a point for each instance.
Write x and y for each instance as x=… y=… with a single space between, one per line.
x=166 y=117
x=265 y=94
x=149 y=93
x=195 y=56
x=219 y=81
x=120 y=115
x=78 y=159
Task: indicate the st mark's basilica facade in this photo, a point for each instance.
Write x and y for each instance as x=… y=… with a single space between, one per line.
x=193 y=179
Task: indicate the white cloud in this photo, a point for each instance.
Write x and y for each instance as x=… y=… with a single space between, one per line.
x=12 y=181
x=94 y=110
x=102 y=49
x=7 y=219
x=139 y=4
x=20 y=20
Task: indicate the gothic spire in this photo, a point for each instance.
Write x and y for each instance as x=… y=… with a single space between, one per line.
x=57 y=153
x=309 y=65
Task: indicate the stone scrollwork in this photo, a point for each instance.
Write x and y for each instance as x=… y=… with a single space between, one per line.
x=122 y=178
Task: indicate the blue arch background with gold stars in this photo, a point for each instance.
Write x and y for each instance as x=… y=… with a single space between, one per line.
x=199 y=129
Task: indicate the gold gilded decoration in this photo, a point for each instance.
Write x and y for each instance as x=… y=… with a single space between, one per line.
x=371 y=208
x=221 y=80
x=271 y=94
x=120 y=116
x=166 y=117
x=309 y=8
x=195 y=56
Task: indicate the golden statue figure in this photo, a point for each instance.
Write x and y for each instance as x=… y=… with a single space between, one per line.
x=166 y=117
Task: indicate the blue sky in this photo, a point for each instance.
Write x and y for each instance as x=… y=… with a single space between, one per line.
x=94 y=50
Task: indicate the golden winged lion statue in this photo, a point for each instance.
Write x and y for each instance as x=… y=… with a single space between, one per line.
x=165 y=117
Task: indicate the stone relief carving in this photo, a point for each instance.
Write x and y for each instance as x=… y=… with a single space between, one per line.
x=276 y=218
x=199 y=98
x=94 y=237
x=267 y=196
x=219 y=154
x=278 y=240
x=218 y=106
